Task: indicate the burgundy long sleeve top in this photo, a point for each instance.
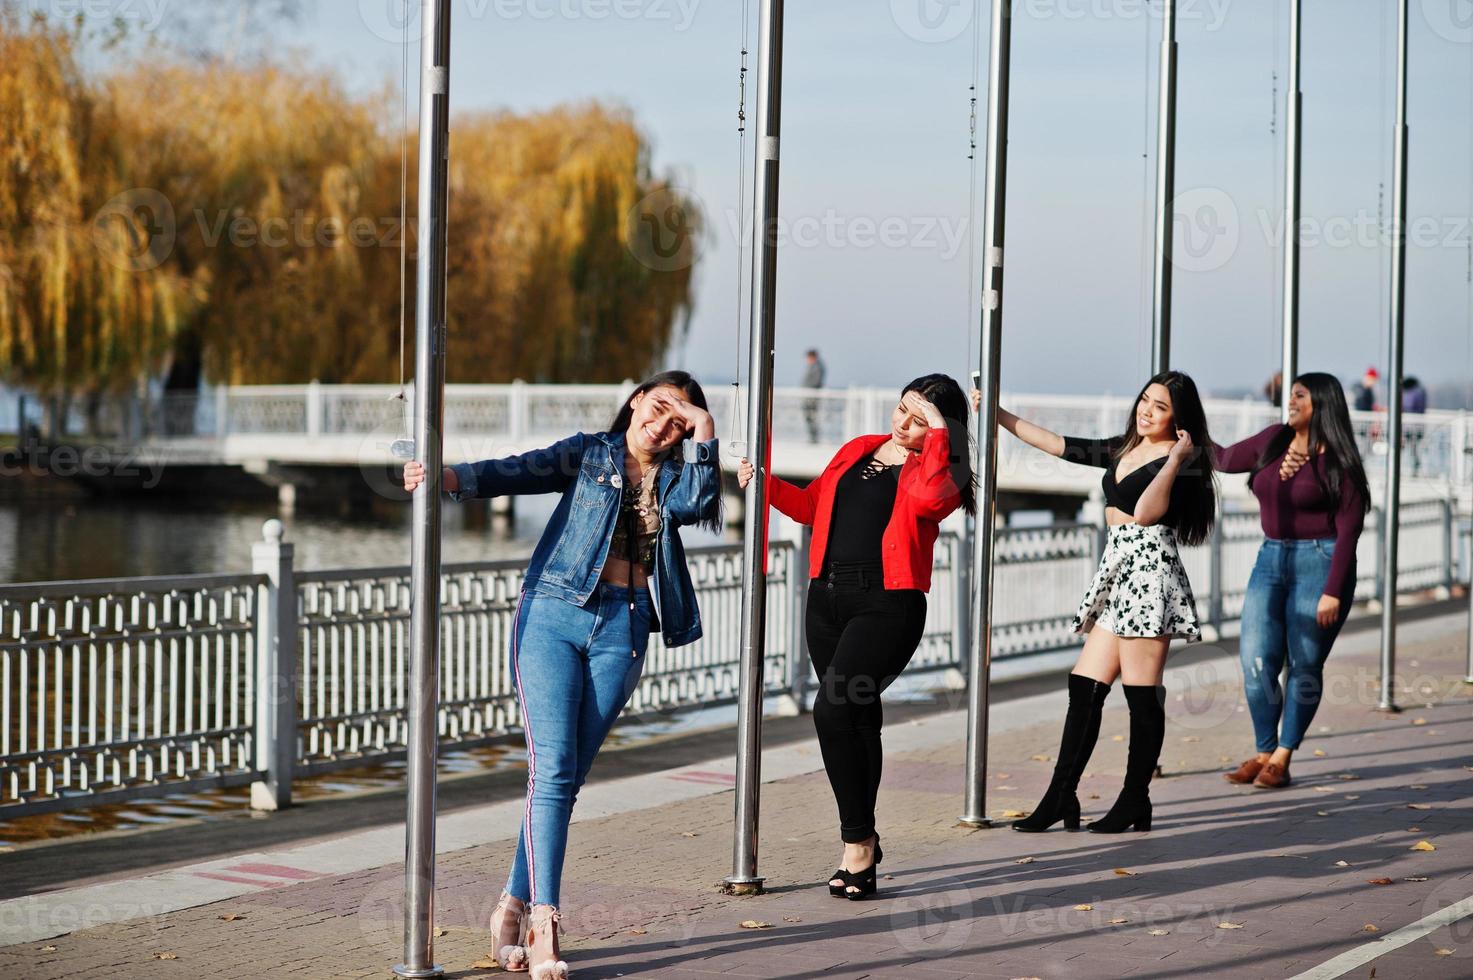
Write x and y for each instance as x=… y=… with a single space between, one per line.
x=1298 y=509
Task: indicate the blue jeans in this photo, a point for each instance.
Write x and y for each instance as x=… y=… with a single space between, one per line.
x=575 y=669
x=1280 y=628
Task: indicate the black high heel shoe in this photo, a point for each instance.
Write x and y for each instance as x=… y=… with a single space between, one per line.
x=862 y=884
x=837 y=891
x=1057 y=804
x=1130 y=812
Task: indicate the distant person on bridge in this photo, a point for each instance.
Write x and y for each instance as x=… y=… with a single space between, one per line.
x=813 y=377
x=1161 y=492
x=608 y=571
x=875 y=511
x=1414 y=402
x=1312 y=498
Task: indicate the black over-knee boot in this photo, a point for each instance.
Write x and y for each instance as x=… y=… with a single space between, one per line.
x=1147 y=731
x=1081 y=731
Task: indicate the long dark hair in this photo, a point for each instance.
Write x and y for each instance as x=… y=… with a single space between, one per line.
x=1330 y=429
x=694 y=394
x=942 y=391
x=1194 y=494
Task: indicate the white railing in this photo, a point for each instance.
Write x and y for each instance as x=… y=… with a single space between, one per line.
x=1438 y=444
x=116 y=689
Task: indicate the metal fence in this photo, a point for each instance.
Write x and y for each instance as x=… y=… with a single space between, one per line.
x=117 y=689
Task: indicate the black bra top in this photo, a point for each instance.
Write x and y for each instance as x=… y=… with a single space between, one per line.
x=1124 y=494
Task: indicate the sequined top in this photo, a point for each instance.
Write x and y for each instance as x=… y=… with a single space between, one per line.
x=639 y=510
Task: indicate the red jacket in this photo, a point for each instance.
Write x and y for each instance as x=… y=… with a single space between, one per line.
x=926 y=494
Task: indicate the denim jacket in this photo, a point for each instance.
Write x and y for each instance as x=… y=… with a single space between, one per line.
x=588 y=470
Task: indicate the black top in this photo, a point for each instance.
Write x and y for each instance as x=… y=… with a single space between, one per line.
x=1125 y=494
x=864 y=499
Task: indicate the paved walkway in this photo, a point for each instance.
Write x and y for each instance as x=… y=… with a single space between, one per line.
x=1320 y=880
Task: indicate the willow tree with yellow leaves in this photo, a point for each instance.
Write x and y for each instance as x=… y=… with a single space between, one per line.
x=185 y=216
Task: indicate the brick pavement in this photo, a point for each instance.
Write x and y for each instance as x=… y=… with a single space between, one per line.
x=1233 y=882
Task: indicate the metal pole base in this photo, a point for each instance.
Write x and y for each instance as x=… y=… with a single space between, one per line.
x=1388 y=709
x=982 y=823
x=742 y=886
x=400 y=970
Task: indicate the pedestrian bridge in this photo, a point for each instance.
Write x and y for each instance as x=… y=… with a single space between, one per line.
x=355 y=425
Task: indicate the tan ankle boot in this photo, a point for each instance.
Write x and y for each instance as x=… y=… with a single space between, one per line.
x=506 y=933
x=543 y=951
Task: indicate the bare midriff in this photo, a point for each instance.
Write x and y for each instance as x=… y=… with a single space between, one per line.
x=617 y=572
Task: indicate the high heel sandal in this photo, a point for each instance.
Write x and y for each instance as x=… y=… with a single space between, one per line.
x=506 y=933
x=840 y=890
x=542 y=944
x=862 y=884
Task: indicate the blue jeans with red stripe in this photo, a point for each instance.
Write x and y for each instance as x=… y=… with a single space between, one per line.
x=575 y=669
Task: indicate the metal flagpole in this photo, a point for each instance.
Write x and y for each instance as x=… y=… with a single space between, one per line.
x=429 y=391
x=984 y=460
x=1293 y=144
x=1165 y=191
x=744 y=879
x=1391 y=519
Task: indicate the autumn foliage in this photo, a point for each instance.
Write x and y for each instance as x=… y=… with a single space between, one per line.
x=247 y=217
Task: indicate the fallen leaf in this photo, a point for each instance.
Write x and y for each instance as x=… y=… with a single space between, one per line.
x=1084 y=908
x=1007 y=787
x=1094 y=796
x=48 y=949
x=1419 y=806
x=1158 y=932
x=1118 y=922
x=1414 y=830
x=1443 y=952
x=755 y=924
x=639 y=932
x=166 y=956
x=440 y=932
x=1028 y=860
x=1368 y=927
x=791 y=918
x=232 y=917
x=1323 y=789
x=485 y=963
x=1320 y=753
x=1004 y=775
x=1011 y=814
x=1322 y=813
x=1230 y=925
x=1423 y=845
x=1342 y=864
x=1419 y=786
x=1190 y=738
x=1302 y=857
x=1352 y=796
x=1419 y=721
x=1415 y=878
x=1378 y=881
x=1117 y=738
x=1042 y=758
x=689 y=833
x=1347 y=776
x=1122 y=872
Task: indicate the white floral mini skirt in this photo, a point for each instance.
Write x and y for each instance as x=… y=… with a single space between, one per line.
x=1141 y=589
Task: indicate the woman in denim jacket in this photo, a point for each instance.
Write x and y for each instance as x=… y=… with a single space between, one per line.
x=608 y=571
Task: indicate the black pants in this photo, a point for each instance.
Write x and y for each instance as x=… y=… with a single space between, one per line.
x=860 y=637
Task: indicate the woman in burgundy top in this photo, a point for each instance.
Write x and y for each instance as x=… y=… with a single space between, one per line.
x=1313 y=498
x=875 y=511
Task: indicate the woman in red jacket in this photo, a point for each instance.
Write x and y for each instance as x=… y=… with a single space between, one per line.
x=875 y=511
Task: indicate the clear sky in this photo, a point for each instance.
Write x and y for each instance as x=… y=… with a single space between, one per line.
x=875 y=269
